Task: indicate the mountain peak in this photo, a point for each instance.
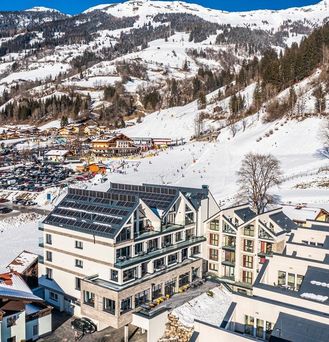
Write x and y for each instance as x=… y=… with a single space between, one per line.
x=42 y=9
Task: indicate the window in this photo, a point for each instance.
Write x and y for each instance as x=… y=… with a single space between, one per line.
x=156 y=291
x=281 y=278
x=114 y=275
x=248 y=246
x=268 y=330
x=179 y=236
x=49 y=239
x=167 y=241
x=123 y=253
x=35 y=330
x=141 y=298
x=78 y=263
x=249 y=230
x=291 y=280
x=213 y=254
x=49 y=273
x=49 y=256
x=247 y=277
x=229 y=272
x=259 y=328
x=11 y=321
x=299 y=281
x=214 y=239
x=172 y=259
x=109 y=305
x=79 y=244
x=229 y=256
x=152 y=245
x=213 y=267
x=214 y=225
x=89 y=298
x=78 y=284
x=125 y=305
x=229 y=241
x=249 y=325
x=129 y=274
x=184 y=279
x=124 y=235
x=53 y=296
x=312 y=243
x=248 y=261
x=139 y=248
x=189 y=218
x=159 y=263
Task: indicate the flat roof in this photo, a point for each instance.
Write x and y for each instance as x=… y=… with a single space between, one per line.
x=293 y=328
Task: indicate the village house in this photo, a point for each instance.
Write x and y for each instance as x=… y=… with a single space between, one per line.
x=23 y=316
x=302 y=214
x=116 y=145
x=57 y=156
x=106 y=254
x=26 y=265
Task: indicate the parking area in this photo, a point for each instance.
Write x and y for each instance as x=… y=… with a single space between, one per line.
x=64 y=333
x=34 y=177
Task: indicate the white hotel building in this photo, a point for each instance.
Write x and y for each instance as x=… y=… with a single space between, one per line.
x=108 y=253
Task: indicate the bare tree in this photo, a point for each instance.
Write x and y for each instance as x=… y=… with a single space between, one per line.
x=325 y=139
x=258 y=173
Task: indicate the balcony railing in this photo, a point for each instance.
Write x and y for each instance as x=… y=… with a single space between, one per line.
x=228 y=263
x=230 y=247
x=158 y=252
x=41 y=242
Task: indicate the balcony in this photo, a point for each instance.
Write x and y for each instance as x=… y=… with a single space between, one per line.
x=228 y=263
x=158 y=252
x=164 y=229
x=41 y=259
x=229 y=247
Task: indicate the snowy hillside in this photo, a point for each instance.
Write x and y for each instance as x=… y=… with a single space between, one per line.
x=263 y=19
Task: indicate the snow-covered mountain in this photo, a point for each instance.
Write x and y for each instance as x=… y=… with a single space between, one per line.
x=144 y=46
x=262 y=19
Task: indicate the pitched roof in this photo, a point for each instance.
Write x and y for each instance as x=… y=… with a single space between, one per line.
x=245 y=214
x=22 y=262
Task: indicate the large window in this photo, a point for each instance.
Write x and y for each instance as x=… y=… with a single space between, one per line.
x=291 y=281
x=152 y=245
x=123 y=253
x=139 y=248
x=213 y=267
x=214 y=239
x=249 y=322
x=129 y=274
x=229 y=272
x=159 y=263
x=53 y=296
x=229 y=241
x=124 y=235
x=141 y=298
x=125 y=305
x=184 y=279
x=170 y=286
x=247 y=261
x=249 y=230
x=172 y=259
x=89 y=298
x=167 y=240
x=299 y=281
x=213 y=254
x=248 y=246
x=109 y=305
x=281 y=278
x=229 y=256
x=214 y=225
x=247 y=277
x=179 y=236
x=259 y=328
x=156 y=291
x=189 y=218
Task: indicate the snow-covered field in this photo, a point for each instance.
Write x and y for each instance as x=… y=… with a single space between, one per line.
x=18 y=233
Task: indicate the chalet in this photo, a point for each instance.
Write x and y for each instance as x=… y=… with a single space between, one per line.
x=23 y=316
x=26 y=265
x=57 y=156
x=91 y=130
x=144 y=144
x=117 y=145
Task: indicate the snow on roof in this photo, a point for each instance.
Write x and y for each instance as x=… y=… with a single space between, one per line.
x=12 y=285
x=22 y=262
x=298 y=213
x=205 y=308
x=59 y=153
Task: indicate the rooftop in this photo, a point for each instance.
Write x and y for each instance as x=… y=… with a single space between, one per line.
x=245 y=214
x=292 y=328
x=22 y=262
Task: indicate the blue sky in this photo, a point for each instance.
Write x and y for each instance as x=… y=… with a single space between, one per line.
x=76 y=6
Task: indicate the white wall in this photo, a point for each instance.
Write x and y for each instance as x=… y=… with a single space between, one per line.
x=44 y=324
x=17 y=330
